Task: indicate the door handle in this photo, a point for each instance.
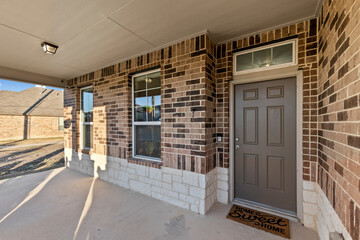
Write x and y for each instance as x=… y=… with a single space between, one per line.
x=237 y=146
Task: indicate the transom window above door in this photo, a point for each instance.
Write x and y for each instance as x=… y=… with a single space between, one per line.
x=271 y=56
x=147 y=115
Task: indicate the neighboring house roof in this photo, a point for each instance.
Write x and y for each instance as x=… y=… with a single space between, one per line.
x=34 y=101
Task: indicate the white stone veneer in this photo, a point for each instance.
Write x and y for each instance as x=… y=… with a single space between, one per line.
x=319 y=214
x=193 y=191
x=196 y=192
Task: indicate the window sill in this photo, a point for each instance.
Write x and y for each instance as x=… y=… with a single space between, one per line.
x=85 y=150
x=145 y=162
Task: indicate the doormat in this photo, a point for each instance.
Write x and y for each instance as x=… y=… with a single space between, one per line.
x=260 y=220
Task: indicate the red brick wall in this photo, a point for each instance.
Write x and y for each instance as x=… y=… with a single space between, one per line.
x=20 y=127
x=339 y=109
x=195 y=77
x=188 y=127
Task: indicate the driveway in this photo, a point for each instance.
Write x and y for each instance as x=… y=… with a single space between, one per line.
x=32 y=155
x=63 y=204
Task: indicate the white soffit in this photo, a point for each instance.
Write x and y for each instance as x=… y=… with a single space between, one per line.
x=92 y=34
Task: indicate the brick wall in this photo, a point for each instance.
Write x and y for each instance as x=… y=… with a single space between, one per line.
x=188 y=107
x=195 y=76
x=339 y=109
x=21 y=127
x=11 y=127
x=306 y=33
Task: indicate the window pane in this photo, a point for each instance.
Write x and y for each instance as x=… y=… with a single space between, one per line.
x=262 y=58
x=139 y=83
x=87 y=105
x=244 y=62
x=282 y=54
x=140 y=106
x=87 y=136
x=147 y=141
x=154 y=105
x=61 y=123
x=153 y=80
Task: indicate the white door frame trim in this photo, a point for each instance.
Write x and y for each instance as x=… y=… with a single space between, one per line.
x=265 y=76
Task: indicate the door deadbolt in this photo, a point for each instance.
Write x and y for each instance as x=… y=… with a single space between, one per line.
x=237 y=139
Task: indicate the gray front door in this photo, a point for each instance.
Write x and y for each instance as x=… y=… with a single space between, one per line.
x=265 y=143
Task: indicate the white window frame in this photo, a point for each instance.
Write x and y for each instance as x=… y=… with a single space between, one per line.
x=134 y=123
x=85 y=123
x=294 y=61
x=61 y=120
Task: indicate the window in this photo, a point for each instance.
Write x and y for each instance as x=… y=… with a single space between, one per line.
x=267 y=57
x=61 y=123
x=147 y=115
x=86 y=117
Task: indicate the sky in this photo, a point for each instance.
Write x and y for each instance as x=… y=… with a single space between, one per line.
x=18 y=86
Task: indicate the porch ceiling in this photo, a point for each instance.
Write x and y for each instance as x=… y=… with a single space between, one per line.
x=92 y=34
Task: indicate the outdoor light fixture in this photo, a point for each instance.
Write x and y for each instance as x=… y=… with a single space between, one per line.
x=49 y=48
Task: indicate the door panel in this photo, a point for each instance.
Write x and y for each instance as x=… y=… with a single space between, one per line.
x=250 y=125
x=265 y=131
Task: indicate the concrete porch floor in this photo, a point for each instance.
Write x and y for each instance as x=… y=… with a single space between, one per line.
x=63 y=204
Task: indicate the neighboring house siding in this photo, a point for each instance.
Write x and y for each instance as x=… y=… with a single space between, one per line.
x=44 y=127
x=11 y=127
x=21 y=127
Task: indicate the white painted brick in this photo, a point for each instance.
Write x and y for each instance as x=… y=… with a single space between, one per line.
x=178 y=179
x=181 y=188
x=143 y=188
x=144 y=179
x=134 y=177
x=155 y=182
x=309 y=221
x=223 y=185
x=155 y=174
x=172 y=171
x=209 y=202
x=222 y=196
x=113 y=173
x=211 y=189
x=130 y=170
x=194 y=208
x=123 y=176
x=165 y=192
x=310 y=196
x=189 y=199
x=202 y=181
x=123 y=162
x=310 y=209
x=113 y=165
x=197 y=192
x=202 y=207
x=222 y=177
x=308 y=186
x=166 y=185
x=191 y=178
x=167 y=178
x=210 y=177
x=222 y=170
x=141 y=170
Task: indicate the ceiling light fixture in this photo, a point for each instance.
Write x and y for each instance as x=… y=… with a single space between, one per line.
x=49 y=48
